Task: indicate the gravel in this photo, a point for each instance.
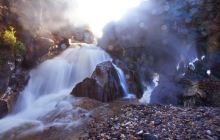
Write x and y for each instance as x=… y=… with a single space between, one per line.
x=135 y=122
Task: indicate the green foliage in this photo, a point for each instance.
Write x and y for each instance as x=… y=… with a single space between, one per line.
x=20 y=48
x=10 y=39
x=9 y=36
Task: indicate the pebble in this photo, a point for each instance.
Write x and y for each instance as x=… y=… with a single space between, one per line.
x=160 y=122
x=210 y=138
x=148 y=136
x=209 y=132
x=140 y=132
x=122 y=136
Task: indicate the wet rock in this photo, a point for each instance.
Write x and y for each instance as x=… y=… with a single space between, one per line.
x=9 y=99
x=17 y=82
x=104 y=84
x=3 y=108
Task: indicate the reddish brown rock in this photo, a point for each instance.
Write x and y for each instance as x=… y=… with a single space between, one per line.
x=104 y=84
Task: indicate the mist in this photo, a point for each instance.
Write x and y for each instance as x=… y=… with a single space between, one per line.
x=54 y=15
x=153 y=37
x=45 y=16
x=157 y=39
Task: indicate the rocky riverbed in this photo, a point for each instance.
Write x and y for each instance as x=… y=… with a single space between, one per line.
x=128 y=120
x=136 y=122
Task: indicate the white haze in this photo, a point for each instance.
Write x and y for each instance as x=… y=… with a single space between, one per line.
x=52 y=15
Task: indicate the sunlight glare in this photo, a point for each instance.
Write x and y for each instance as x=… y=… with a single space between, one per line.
x=97 y=13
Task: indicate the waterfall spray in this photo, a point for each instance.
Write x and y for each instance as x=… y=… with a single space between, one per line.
x=49 y=88
x=149 y=89
x=123 y=82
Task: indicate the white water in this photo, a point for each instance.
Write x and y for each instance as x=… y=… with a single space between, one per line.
x=149 y=89
x=123 y=82
x=192 y=64
x=48 y=91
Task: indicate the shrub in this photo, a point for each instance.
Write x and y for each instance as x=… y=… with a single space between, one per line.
x=9 y=36
x=20 y=48
x=10 y=39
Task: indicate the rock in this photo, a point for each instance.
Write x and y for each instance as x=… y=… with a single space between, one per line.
x=3 y=108
x=122 y=136
x=194 y=96
x=17 y=81
x=104 y=84
x=209 y=132
x=38 y=47
x=88 y=88
x=205 y=92
x=216 y=69
x=148 y=136
x=210 y=138
x=177 y=123
x=8 y=101
x=168 y=91
x=140 y=132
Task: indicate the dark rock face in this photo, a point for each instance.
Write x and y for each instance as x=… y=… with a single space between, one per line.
x=187 y=92
x=104 y=84
x=88 y=88
x=3 y=108
x=168 y=91
x=17 y=82
x=202 y=93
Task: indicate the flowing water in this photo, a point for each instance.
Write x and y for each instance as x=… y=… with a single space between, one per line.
x=123 y=82
x=47 y=94
x=149 y=89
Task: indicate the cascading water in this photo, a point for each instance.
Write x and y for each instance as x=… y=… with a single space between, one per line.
x=149 y=89
x=49 y=88
x=123 y=82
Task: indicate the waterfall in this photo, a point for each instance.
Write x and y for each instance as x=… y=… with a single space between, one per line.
x=49 y=87
x=123 y=83
x=149 y=89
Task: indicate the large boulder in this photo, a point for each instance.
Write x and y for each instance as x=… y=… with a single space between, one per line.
x=104 y=84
